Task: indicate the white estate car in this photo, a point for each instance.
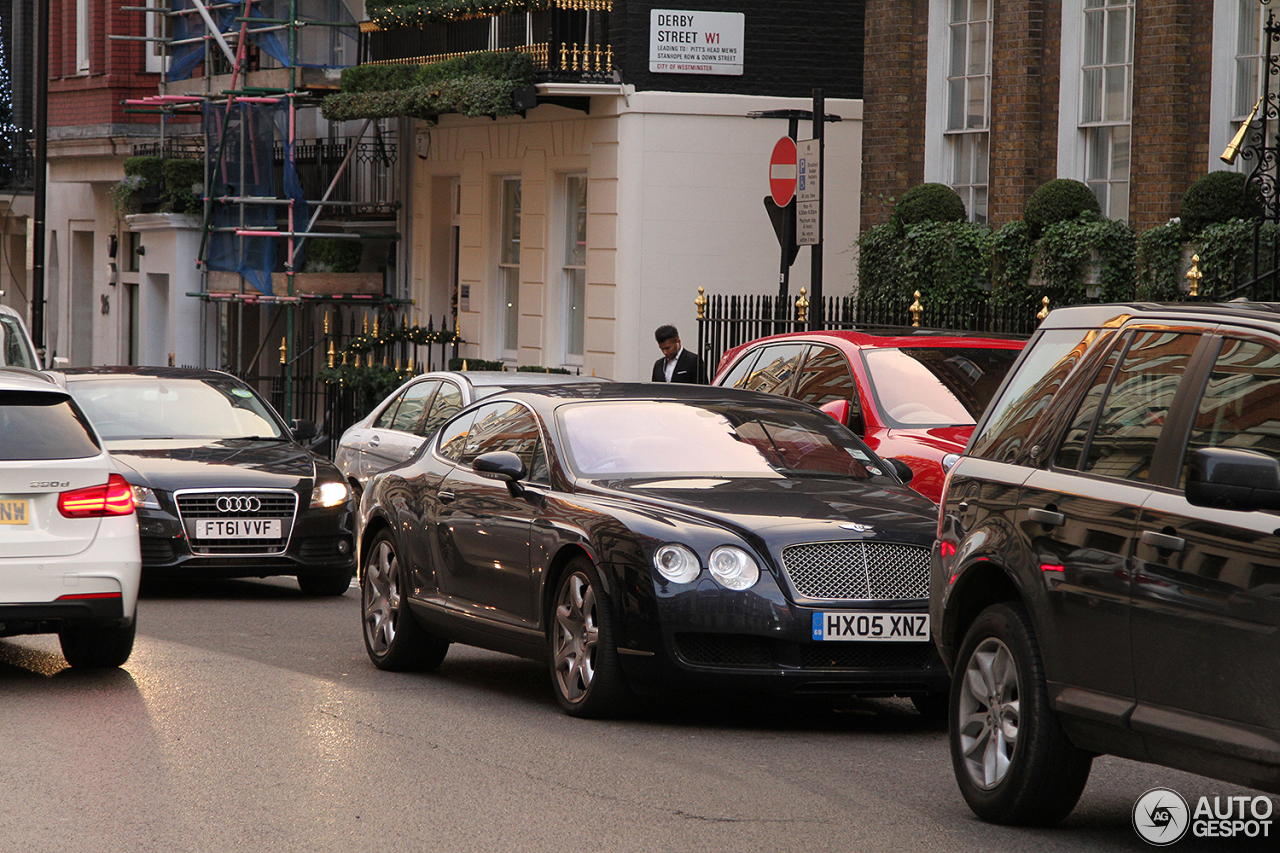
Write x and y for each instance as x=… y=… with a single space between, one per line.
x=70 y=560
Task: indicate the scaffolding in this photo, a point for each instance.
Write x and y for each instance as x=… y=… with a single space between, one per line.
x=250 y=208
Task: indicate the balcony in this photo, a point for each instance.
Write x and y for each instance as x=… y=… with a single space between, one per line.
x=366 y=191
x=567 y=45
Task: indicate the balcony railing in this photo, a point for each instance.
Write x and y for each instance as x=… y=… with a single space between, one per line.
x=568 y=45
x=367 y=189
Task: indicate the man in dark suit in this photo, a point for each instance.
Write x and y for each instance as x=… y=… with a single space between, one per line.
x=677 y=364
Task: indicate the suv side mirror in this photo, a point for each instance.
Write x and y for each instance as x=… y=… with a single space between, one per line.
x=1228 y=478
x=501 y=465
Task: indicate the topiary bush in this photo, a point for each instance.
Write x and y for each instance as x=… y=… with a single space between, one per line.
x=333 y=254
x=1219 y=197
x=929 y=203
x=183 y=184
x=1059 y=200
x=146 y=166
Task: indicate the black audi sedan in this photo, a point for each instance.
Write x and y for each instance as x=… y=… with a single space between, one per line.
x=222 y=486
x=635 y=536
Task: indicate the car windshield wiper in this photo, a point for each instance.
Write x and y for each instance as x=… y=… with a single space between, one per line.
x=254 y=438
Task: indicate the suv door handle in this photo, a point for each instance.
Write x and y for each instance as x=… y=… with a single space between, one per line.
x=445 y=497
x=1046 y=516
x=1163 y=541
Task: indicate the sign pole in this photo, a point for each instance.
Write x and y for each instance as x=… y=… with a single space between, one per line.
x=788 y=238
x=816 y=319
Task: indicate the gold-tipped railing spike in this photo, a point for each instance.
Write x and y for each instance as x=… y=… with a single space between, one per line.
x=701 y=303
x=1193 y=277
x=332 y=352
x=284 y=351
x=344 y=358
x=1044 y=309
x=326 y=324
x=802 y=308
x=608 y=57
x=916 y=310
x=575 y=56
x=410 y=367
x=366 y=323
x=375 y=325
x=564 y=55
x=597 y=52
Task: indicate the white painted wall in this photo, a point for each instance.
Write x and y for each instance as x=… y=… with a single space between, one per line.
x=675 y=201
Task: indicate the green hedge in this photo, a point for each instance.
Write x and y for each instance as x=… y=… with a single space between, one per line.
x=390 y=14
x=479 y=84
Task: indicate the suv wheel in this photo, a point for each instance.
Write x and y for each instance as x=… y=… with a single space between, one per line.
x=1011 y=758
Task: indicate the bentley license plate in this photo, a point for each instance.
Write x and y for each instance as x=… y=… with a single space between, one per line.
x=237 y=528
x=14 y=511
x=872 y=626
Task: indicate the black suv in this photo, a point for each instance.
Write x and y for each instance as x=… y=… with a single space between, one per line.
x=1107 y=572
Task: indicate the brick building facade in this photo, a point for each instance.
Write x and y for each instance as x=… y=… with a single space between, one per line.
x=1177 y=107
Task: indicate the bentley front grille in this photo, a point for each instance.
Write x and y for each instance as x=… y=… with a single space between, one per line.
x=858 y=571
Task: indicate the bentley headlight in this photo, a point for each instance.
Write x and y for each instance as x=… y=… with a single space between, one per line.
x=145 y=497
x=676 y=563
x=329 y=494
x=733 y=567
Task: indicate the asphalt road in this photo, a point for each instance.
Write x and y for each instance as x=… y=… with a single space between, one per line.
x=250 y=719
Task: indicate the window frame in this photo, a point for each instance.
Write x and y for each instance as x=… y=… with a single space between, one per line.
x=508 y=266
x=955 y=139
x=573 y=270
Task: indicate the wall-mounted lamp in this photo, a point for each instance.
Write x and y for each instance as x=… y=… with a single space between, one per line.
x=111 y=247
x=141 y=250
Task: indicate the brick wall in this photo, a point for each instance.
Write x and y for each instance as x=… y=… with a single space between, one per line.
x=893 y=104
x=116 y=68
x=1172 y=57
x=1023 y=132
x=1162 y=67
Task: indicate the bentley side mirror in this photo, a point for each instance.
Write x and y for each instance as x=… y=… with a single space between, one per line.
x=501 y=465
x=901 y=469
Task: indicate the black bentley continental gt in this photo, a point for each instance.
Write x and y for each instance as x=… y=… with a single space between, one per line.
x=222 y=486
x=639 y=535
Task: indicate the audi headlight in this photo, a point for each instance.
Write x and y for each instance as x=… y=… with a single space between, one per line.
x=676 y=563
x=329 y=494
x=733 y=567
x=145 y=497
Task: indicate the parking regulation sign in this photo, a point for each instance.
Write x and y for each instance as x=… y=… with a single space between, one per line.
x=782 y=171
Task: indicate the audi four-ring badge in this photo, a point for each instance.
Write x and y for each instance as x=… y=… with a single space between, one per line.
x=222 y=486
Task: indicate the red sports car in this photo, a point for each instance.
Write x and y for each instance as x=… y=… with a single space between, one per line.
x=911 y=397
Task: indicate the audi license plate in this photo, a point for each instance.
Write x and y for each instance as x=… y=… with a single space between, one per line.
x=237 y=528
x=872 y=626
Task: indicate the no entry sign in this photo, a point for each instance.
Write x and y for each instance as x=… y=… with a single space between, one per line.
x=782 y=171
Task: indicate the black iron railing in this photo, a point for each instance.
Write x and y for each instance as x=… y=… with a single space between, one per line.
x=727 y=321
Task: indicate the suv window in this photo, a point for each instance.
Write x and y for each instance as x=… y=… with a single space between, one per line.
x=1134 y=405
x=43 y=426
x=1241 y=403
x=1050 y=358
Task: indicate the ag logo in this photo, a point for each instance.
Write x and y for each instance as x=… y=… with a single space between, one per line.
x=1161 y=816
